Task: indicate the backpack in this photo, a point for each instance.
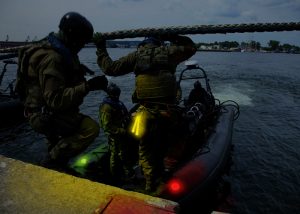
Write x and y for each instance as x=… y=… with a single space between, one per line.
x=24 y=55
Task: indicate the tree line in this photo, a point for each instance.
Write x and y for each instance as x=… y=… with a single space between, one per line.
x=273 y=46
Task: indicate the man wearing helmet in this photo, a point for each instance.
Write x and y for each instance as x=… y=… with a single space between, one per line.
x=113 y=119
x=154 y=65
x=54 y=87
x=199 y=95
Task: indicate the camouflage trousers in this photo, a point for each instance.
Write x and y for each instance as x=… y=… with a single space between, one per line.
x=67 y=135
x=123 y=156
x=154 y=144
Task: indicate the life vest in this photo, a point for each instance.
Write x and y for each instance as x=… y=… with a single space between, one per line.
x=117 y=109
x=116 y=104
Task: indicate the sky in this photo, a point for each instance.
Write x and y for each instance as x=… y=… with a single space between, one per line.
x=36 y=18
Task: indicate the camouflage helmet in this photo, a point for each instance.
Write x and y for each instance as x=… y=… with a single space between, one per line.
x=151 y=40
x=76 y=27
x=113 y=90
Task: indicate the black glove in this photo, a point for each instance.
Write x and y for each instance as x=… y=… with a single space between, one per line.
x=99 y=41
x=97 y=83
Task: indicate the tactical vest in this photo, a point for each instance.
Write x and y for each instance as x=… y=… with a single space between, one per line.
x=155 y=74
x=152 y=59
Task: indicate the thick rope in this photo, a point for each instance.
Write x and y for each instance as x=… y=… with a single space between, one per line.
x=195 y=29
x=204 y=29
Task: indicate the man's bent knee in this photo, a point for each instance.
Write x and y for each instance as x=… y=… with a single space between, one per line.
x=89 y=129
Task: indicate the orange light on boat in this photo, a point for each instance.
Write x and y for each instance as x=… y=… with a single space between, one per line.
x=175 y=186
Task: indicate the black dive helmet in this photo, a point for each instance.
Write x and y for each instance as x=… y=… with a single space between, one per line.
x=76 y=28
x=113 y=90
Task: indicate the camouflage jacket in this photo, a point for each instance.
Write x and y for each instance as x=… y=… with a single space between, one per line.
x=54 y=77
x=154 y=67
x=173 y=54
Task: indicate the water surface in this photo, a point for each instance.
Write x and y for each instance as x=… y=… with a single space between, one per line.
x=265 y=176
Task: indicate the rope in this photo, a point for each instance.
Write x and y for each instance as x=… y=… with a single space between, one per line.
x=204 y=29
x=195 y=29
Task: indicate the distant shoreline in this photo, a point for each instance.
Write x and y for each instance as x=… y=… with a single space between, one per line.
x=133 y=44
x=245 y=51
x=199 y=50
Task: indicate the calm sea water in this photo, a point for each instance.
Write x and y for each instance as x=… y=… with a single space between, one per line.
x=265 y=176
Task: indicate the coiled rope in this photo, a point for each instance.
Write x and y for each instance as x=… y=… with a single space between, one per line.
x=195 y=29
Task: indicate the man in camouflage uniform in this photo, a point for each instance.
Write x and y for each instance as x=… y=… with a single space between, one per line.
x=154 y=65
x=113 y=119
x=52 y=84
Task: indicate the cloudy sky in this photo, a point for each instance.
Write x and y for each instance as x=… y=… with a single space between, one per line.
x=36 y=18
